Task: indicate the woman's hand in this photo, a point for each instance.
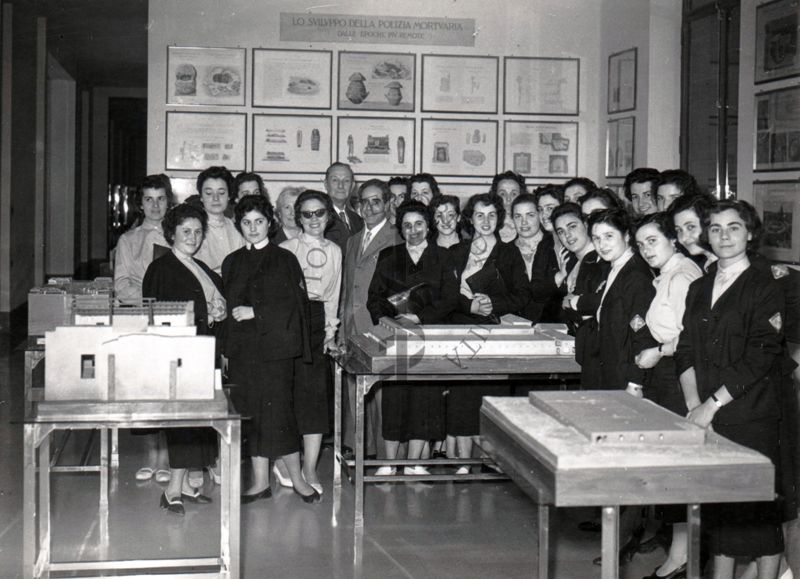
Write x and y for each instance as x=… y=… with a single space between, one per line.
x=413 y=318
x=566 y=303
x=634 y=390
x=242 y=313
x=648 y=358
x=481 y=305
x=217 y=310
x=330 y=347
x=703 y=415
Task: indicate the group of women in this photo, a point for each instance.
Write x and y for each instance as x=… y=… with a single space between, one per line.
x=674 y=305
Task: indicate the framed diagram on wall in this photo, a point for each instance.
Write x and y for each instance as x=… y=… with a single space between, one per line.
x=777 y=143
x=622 y=81
x=541 y=86
x=542 y=149
x=620 y=146
x=778 y=204
x=205 y=76
x=298 y=79
x=459 y=84
x=291 y=143
x=377 y=146
x=459 y=148
x=376 y=81
x=197 y=140
x=777 y=48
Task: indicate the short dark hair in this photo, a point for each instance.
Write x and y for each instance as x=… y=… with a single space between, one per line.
x=511 y=176
x=423 y=178
x=255 y=203
x=700 y=204
x=486 y=199
x=662 y=220
x=522 y=198
x=244 y=177
x=610 y=199
x=308 y=195
x=551 y=189
x=584 y=182
x=567 y=208
x=437 y=202
x=681 y=179
x=177 y=215
x=640 y=175
x=396 y=180
x=380 y=184
x=217 y=172
x=413 y=206
x=158 y=181
x=616 y=218
x=746 y=212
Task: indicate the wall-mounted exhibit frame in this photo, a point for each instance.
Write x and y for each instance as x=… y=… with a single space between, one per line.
x=291 y=143
x=376 y=81
x=459 y=148
x=622 y=81
x=376 y=145
x=459 y=84
x=777 y=142
x=778 y=204
x=541 y=149
x=777 y=47
x=296 y=79
x=620 y=146
x=541 y=86
x=197 y=140
x=206 y=76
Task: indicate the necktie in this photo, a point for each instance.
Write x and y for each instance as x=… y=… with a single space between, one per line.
x=367 y=239
x=343 y=217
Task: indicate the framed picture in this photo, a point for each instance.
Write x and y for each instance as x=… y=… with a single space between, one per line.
x=622 y=81
x=376 y=81
x=778 y=204
x=777 y=143
x=205 y=76
x=197 y=140
x=291 y=143
x=542 y=149
x=541 y=86
x=296 y=79
x=459 y=84
x=777 y=53
x=377 y=146
x=459 y=148
x=620 y=146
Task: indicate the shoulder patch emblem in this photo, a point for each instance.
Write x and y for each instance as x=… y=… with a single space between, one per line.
x=637 y=323
x=779 y=271
x=776 y=322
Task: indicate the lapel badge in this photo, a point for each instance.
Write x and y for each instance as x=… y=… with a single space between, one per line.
x=779 y=271
x=637 y=323
x=776 y=322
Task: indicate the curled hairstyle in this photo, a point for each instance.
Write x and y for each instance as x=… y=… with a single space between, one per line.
x=747 y=214
x=309 y=195
x=159 y=181
x=682 y=180
x=584 y=182
x=217 y=172
x=510 y=176
x=441 y=200
x=177 y=215
x=566 y=209
x=701 y=204
x=399 y=181
x=663 y=222
x=386 y=194
x=255 y=203
x=244 y=178
x=491 y=199
x=616 y=218
x=606 y=196
x=554 y=191
x=423 y=178
x=522 y=198
x=641 y=175
x=413 y=206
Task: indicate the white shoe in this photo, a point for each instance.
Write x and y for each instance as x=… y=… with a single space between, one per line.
x=462 y=470
x=284 y=481
x=386 y=471
x=195 y=478
x=415 y=470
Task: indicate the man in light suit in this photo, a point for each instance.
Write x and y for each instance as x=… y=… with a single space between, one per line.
x=360 y=259
x=339 y=184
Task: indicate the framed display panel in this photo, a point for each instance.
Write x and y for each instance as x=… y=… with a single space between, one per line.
x=292 y=143
x=297 y=79
x=620 y=146
x=376 y=81
x=777 y=50
x=777 y=142
x=542 y=149
x=197 y=140
x=459 y=84
x=778 y=204
x=377 y=146
x=541 y=86
x=622 y=81
x=459 y=148
x=205 y=76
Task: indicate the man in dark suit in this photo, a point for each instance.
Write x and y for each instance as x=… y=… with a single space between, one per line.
x=360 y=259
x=339 y=183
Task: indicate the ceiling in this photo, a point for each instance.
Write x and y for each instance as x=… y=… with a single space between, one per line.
x=98 y=42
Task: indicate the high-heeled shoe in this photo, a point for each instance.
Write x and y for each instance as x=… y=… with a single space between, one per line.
x=314 y=497
x=196 y=497
x=284 y=481
x=679 y=573
x=265 y=494
x=174 y=506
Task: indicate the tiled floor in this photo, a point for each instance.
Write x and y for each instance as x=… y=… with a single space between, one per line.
x=479 y=530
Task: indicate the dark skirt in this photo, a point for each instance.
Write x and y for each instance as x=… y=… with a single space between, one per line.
x=413 y=411
x=587 y=354
x=464 y=405
x=311 y=381
x=748 y=529
x=191 y=447
x=264 y=394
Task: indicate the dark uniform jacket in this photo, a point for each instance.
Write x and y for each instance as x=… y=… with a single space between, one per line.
x=546 y=296
x=589 y=286
x=339 y=232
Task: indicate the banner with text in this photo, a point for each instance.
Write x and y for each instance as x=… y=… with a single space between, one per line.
x=377 y=29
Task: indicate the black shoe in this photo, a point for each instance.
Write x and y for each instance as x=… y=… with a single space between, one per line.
x=590 y=526
x=174 y=506
x=679 y=573
x=265 y=494
x=314 y=497
x=197 y=497
x=347 y=453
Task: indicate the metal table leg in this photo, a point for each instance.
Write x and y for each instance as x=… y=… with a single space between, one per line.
x=104 y=481
x=693 y=538
x=610 y=542
x=43 y=559
x=544 y=541
x=29 y=503
x=337 y=426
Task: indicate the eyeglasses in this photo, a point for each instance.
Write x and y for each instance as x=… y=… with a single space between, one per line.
x=318 y=213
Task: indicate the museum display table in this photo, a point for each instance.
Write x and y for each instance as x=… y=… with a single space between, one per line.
x=607 y=449
x=46 y=418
